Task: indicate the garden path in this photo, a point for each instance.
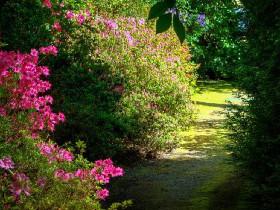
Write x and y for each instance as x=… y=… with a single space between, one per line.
x=193 y=175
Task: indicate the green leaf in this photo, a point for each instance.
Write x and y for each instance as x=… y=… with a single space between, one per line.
x=179 y=28
x=160 y=8
x=163 y=23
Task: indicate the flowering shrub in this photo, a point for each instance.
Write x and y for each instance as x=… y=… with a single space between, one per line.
x=33 y=173
x=142 y=85
x=25 y=92
x=156 y=82
x=120 y=86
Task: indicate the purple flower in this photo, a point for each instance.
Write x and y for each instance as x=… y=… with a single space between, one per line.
x=129 y=38
x=112 y=25
x=141 y=21
x=41 y=182
x=69 y=15
x=6 y=163
x=80 y=19
x=173 y=11
x=201 y=19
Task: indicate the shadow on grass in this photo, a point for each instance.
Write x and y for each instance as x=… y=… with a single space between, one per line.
x=211 y=104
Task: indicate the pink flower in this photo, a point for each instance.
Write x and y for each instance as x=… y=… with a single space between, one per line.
x=141 y=21
x=49 y=50
x=82 y=173
x=34 y=52
x=7 y=163
x=117 y=172
x=41 y=182
x=27 y=95
x=129 y=38
x=20 y=185
x=47 y=3
x=64 y=155
x=87 y=13
x=57 y=26
x=3 y=112
x=80 y=19
x=112 y=25
x=69 y=15
x=63 y=175
x=102 y=194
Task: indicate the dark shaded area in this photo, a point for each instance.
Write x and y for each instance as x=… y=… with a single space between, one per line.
x=255 y=128
x=211 y=104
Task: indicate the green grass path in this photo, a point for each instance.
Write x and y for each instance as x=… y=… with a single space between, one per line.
x=198 y=175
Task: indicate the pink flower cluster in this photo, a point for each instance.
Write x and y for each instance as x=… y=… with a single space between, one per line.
x=53 y=153
x=20 y=185
x=111 y=24
x=102 y=171
x=6 y=163
x=80 y=18
x=47 y=3
x=56 y=26
x=49 y=50
x=102 y=194
x=28 y=92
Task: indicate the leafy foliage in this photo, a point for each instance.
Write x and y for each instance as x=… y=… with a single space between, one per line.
x=114 y=99
x=255 y=126
x=214 y=32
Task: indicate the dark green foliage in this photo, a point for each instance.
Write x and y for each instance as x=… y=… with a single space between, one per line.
x=23 y=24
x=215 y=44
x=179 y=28
x=160 y=8
x=256 y=126
x=163 y=23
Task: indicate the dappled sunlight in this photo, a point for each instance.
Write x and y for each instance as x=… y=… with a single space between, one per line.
x=170 y=182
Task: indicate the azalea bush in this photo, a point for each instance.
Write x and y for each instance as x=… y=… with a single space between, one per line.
x=125 y=88
x=35 y=173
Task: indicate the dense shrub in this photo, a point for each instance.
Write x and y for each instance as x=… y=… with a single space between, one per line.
x=120 y=86
x=141 y=86
x=35 y=174
x=256 y=125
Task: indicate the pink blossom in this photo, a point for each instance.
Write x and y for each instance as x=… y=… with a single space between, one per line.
x=80 y=19
x=34 y=52
x=7 y=163
x=82 y=174
x=117 y=172
x=3 y=112
x=57 y=26
x=47 y=3
x=111 y=24
x=104 y=169
x=49 y=50
x=41 y=182
x=141 y=21
x=20 y=185
x=30 y=87
x=53 y=153
x=69 y=15
x=102 y=194
x=63 y=175
x=87 y=12
x=129 y=38
x=65 y=155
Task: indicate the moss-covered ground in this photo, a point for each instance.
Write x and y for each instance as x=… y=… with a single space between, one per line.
x=199 y=174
